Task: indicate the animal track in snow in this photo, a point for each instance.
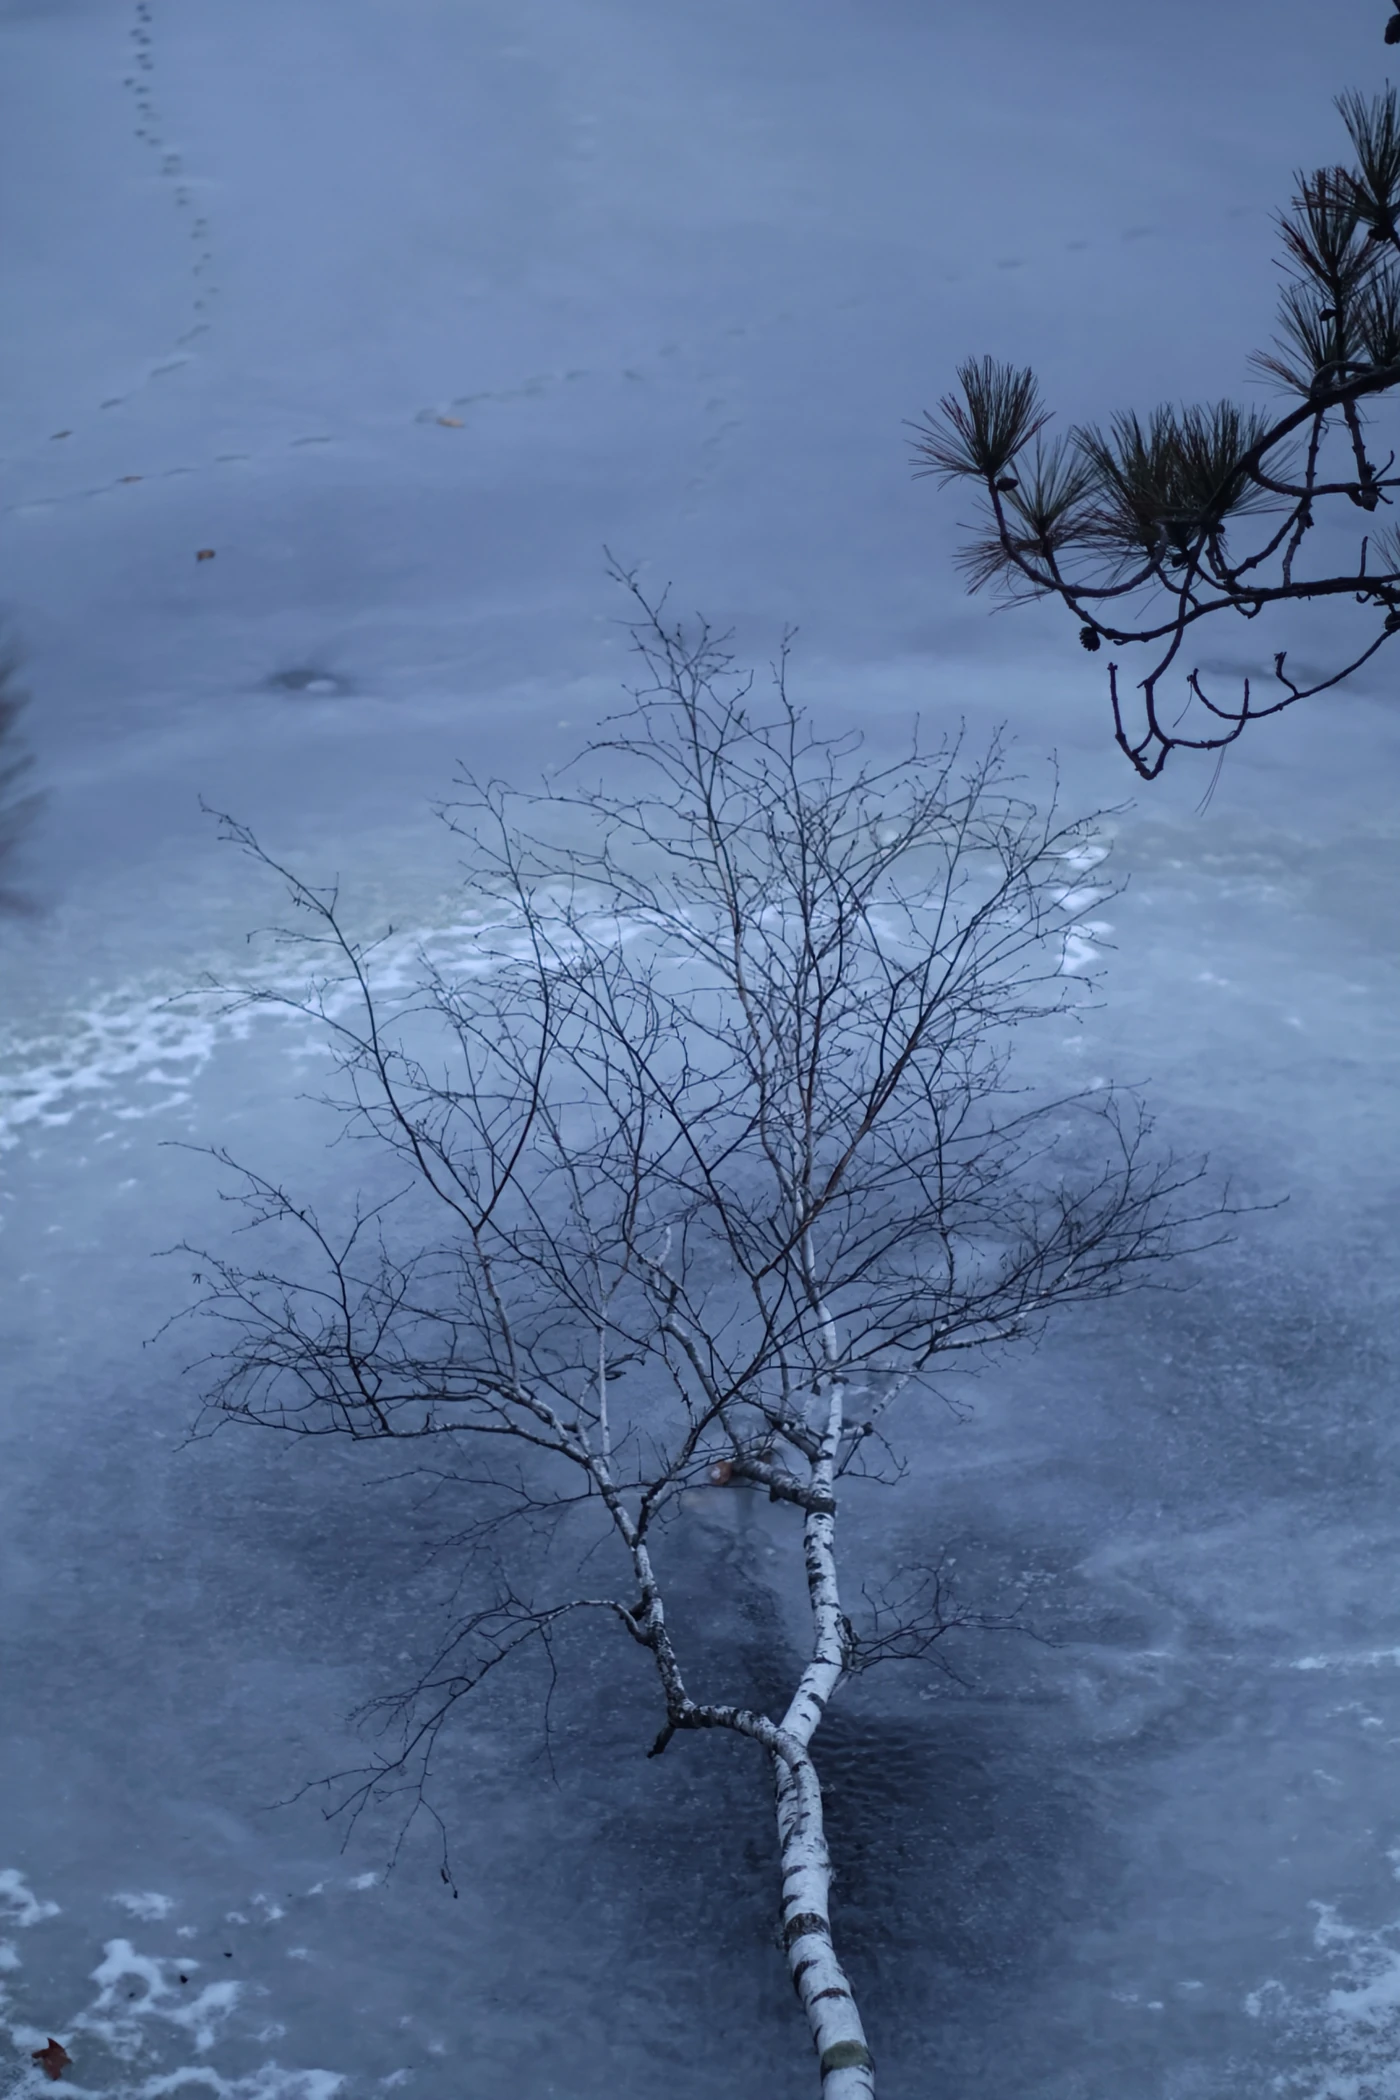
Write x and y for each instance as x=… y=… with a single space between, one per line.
x=149 y=130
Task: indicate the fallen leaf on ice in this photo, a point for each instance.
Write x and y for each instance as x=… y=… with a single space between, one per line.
x=53 y=2060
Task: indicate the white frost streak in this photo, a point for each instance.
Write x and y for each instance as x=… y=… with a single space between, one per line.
x=1357 y=1659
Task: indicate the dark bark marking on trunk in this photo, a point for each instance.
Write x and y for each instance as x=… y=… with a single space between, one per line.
x=846 y=2056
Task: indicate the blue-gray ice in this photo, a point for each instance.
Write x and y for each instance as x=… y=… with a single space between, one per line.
x=403 y=310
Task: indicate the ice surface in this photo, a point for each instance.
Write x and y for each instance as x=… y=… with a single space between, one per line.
x=401 y=315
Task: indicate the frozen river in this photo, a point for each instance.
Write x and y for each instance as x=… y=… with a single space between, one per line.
x=406 y=312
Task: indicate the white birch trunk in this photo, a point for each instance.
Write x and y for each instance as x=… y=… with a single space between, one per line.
x=847 y=2068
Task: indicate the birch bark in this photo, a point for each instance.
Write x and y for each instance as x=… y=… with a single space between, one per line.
x=847 y=2067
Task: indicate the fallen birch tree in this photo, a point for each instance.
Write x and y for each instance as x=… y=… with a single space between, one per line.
x=713 y=1161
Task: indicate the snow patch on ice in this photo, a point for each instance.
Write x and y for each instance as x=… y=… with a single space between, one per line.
x=144 y=2016
x=116 y=2013
x=145 y=1904
x=1348 y=2035
x=28 y=2039
x=1081 y=899
x=268 y=2082
x=18 y=1903
x=1081 y=950
x=135 y=1051
x=121 y=1040
x=271 y=2081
